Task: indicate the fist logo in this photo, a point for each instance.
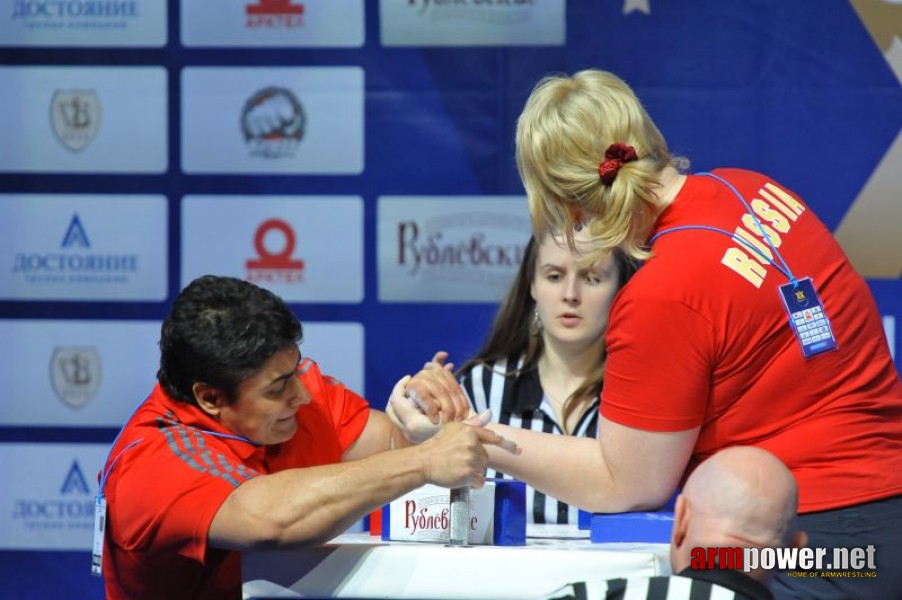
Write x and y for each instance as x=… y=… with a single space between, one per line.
x=273 y=122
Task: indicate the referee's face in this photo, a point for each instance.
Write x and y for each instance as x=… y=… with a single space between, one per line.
x=573 y=299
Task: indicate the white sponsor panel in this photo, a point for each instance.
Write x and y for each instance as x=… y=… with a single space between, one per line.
x=450 y=248
x=473 y=22
x=84 y=119
x=495 y=515
x=272 y=120
x=96 y=23
x=83 y=247
x=338 y=349
x=273 y=23
x=47 y=496
x=76 y=373
x=303 y=248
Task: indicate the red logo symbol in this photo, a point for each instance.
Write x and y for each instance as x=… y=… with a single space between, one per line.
x=275 y=267
x=274 y=13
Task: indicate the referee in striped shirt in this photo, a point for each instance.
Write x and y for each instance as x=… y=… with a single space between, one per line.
x=542 y=363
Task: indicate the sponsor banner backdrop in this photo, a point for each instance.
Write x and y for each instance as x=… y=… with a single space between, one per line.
x=83 y=23
x=303 y=248
x=76 y=373
x=413 y=115
x=47 y=500
x=272 y=120
x=473 y=22
x=83 y=247
x=450 y=249
x=267 y=23
x=84 y=119
x=338 y=349
x=94 y=373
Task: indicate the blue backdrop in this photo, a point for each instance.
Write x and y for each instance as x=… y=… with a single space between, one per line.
x=803 y=91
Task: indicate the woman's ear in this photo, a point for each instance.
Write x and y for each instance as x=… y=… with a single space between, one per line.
x=210 y=399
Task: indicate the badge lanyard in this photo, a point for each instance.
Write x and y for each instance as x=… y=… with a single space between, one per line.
x=100 y=500
x=807 y=318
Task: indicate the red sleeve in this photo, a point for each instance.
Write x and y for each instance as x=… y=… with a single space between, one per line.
x=190 y=515
x=174 y=511
x=348 y=411
x=658 y=371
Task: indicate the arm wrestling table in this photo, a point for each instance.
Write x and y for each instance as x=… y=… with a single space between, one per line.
x=358 y=565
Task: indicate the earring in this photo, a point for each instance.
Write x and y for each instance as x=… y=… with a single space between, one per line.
x=535 y=328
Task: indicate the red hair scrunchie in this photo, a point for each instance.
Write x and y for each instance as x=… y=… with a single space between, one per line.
x=615 y=157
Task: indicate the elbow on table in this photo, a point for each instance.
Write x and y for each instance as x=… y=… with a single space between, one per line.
x=271 y=536
x=646 y=505
x=241 y=524
x=635 y=499
x=266 y=536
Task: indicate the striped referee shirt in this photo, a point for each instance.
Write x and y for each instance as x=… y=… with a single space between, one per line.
x=519 y=401
x=726 y=584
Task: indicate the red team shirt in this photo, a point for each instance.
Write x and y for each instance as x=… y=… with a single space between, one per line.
x=708 y=315
x=163 y=492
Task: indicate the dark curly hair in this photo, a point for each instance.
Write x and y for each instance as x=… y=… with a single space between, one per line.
x=220 y=331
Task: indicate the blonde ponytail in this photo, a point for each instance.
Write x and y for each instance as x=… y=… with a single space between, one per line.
x=565 y=129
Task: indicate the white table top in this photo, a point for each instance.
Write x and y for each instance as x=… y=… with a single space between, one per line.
x=358 y=565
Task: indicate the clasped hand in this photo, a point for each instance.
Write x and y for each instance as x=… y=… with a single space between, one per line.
x=421 y=404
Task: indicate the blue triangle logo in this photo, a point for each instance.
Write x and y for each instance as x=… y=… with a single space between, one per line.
x=75 y=234
x=75 y=481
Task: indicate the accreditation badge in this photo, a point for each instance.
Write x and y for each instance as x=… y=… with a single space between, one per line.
x=807 y=317
x=99 y=530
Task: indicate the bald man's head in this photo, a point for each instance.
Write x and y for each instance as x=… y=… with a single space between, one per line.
x=740 y=497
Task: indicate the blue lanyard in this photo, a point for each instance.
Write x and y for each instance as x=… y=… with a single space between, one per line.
x=784 y=269
x=106 y=472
